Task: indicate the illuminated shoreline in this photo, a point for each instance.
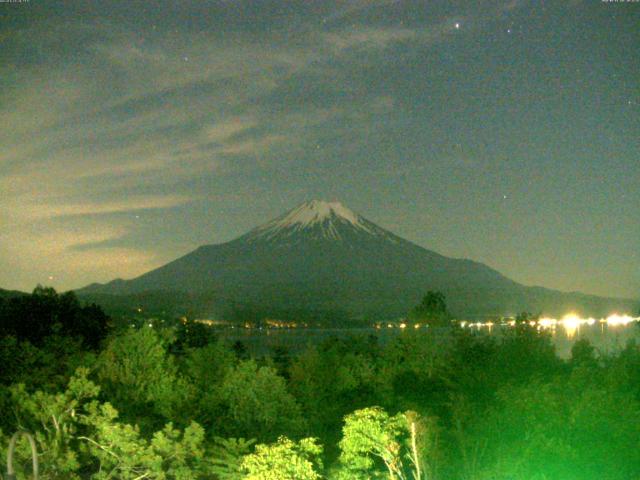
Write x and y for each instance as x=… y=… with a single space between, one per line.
x=571 y=323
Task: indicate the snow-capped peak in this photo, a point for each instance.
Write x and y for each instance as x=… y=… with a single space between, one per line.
x=317 y=211
x=327 y=216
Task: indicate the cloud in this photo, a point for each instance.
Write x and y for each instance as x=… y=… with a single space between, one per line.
x=44 y=253
x=352 y=7
x=254 y=146
x=130 y=120
x=38 y=210
x=368 y=37
x=223 y=130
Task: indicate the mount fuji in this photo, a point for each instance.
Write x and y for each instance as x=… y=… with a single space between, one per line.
x=324 y=260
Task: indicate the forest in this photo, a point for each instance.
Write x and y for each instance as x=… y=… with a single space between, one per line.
x=115 y=400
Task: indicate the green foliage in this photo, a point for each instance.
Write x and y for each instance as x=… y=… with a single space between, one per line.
x=622 y=372
x=55 y=421
x=205 y=369
x=255 y=402
x=139 y=377
x=530 y=353
x=415 y=373
x=432 y=309
x=371 y=436
x=284 y=460
x=170 y=454
x=45 y=312
x=51 y=364
x=191 y=334
x=227 y=455
x=583 y=353
x=571 y=428
x=332 y=380
x=79 y=437
x=477 y=407
x=525 y=317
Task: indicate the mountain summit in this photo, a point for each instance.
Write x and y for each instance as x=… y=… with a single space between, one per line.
x=314 y=212
x=315 y=219
x=323 y=258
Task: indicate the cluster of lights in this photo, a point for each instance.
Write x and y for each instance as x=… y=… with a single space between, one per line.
x=401 y=325
x=614 y=320
x=489 y=325
x=571 y=322
x=404 y=325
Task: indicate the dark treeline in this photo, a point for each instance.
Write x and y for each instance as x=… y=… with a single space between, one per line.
x=173 y=402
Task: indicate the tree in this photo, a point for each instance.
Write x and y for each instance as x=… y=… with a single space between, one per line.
x=332 y=380
x=583 y=353
x=432 y=309
x=255 y=402
x=141 y=378
x=372 y=437
x=205 y=369
x=50 y=365
x=525 y=352
x=54 y=421
x=573 y=427
x=79 y=437
x=44 y=313
x=284 y=460
x=190 y=334
x=227 y=457
x=525 y=317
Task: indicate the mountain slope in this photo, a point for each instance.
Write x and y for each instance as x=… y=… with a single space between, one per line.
x=322 y=256
x=7 y=294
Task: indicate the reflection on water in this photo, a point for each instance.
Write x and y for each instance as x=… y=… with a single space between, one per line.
x=570 y=323
x=607 y=334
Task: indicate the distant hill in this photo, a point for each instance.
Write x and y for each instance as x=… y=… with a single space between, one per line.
x=323 y=259
x=4 y=294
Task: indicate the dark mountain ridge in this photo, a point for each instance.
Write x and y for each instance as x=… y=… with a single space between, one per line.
x=6 y=294
x=323 y=257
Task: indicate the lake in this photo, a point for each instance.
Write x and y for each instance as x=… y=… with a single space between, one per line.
x=606 y=337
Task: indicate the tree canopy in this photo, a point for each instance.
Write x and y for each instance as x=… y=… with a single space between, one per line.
x=45 y=312
x=436 y=404
x=432 y=309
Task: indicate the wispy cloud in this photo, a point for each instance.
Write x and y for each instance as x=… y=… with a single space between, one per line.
x=140 y=119
x=368 y=37
x=40 y=210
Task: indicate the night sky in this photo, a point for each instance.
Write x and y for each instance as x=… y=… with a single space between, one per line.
x=505 y=132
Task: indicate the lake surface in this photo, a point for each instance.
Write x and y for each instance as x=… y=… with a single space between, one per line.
x=605 y=337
